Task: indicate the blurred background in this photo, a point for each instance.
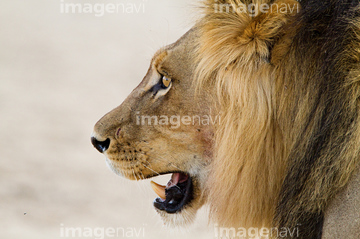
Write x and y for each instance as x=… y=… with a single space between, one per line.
x=59 y=73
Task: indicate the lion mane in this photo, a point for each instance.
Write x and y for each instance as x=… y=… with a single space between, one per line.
x=288 y=90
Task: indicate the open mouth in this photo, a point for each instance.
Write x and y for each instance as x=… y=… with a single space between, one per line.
x=175 y=195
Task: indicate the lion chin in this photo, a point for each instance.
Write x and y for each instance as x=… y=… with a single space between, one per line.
x=177 y=202
x=256 y=115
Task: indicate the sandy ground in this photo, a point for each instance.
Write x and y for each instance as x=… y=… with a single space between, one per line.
x=59 y=74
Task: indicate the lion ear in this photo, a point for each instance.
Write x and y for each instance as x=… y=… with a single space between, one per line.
x=267 y=26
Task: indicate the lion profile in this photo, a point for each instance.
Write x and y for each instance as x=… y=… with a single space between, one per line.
x=286 y=85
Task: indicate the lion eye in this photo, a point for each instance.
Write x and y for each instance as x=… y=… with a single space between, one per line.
x=165 y=82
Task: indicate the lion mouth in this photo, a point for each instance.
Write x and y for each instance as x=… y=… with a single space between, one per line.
x=175 y=195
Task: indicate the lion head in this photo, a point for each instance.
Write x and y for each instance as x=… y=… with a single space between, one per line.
x=230 y=112
x=160 y=129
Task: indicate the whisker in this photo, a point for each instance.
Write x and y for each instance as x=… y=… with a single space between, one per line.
x=150 y=169
x=133 y=171
x=171 y=164
x=142 y=176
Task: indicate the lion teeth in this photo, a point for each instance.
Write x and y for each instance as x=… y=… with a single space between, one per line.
x=158 y=189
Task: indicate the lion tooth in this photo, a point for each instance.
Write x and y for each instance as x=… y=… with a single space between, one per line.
x=158 y=189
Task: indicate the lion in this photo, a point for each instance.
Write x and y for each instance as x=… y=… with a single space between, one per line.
x=282 y=79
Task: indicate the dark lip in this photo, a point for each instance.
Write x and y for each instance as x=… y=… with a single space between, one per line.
x=177 y=197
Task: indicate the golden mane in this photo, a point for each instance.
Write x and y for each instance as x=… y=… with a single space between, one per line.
x=289 y=134
x=249 y=161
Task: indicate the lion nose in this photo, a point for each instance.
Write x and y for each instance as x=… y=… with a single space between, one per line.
x=101 y=146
